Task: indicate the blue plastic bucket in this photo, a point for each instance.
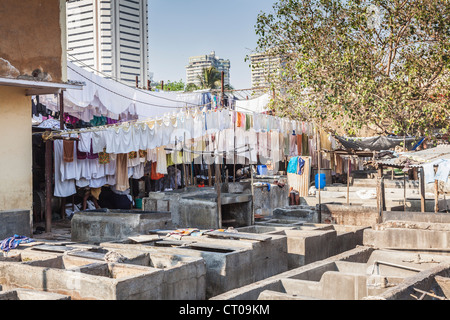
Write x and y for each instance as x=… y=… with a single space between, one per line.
x=322 y=180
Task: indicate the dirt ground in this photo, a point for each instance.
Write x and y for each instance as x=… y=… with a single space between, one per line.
x=60 y=230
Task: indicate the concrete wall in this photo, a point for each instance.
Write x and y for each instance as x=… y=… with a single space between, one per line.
x=25 y=294
x=425 y=281
x=85 y=280
x=229 y=263
x=98 y=226
x=33 y=37
x=266 y=201
x=16 y=186
x=350 y=214
x=409 y=235
x=313 y=272
x=16 y=222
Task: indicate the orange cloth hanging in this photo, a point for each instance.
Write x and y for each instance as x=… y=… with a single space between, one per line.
x=299 y=144
x=154 y=175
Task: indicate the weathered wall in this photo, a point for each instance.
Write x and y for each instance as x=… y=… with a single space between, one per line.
x=33 y=38
x=16 y=186
x=15 y=222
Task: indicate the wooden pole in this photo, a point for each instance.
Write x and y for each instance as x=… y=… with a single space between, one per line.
x=61 y=110
x=252 y=220
x=48 y=185
x=436 y=196
x=422 y=189
x=62 y=126
x=219 y=200
x=234 y=152
x=382 y=191
x=404 y=191
x=209 y=176
x=348 y=181
x=436 y=193
x=175 y=166
x=319 y=160
x=223 y=88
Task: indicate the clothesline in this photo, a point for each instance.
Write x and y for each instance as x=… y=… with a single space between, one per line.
x=150 y=121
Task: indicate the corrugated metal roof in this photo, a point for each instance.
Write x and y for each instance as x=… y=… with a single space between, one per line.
x=418 y=158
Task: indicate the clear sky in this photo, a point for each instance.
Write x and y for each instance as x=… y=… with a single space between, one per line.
x=179 y=29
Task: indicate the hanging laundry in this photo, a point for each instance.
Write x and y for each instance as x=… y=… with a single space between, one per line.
x=293 y=151
x=292 y=165
x=305 y=145
x=239 y=120
x=68 y=148
x=122 y=182
x=63 y=188
x=275 y=148
x=85 y=139
x=155 y=175
x=161 y=161
x=80 y=155
x=299 y=144
x=103 y=157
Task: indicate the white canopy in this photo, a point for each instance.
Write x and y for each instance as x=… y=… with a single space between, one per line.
x=109 y=98
x=257 y=105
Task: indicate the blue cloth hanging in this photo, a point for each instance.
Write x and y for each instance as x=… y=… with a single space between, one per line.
x=301 y=163
x=292 y=166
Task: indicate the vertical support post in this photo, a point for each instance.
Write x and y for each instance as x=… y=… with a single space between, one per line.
x=222 y=76
x=253 y=192
x=137 y=82
x=175 y=166
x=234 y=144
x=149 y=87
x=348 y=181
x=436 y=196
x=436 y=193
x=422 y=189
x=219 y=200
x=319 y=160
x=48 y=185
x=404 y=191
x=209 y=176
x=382 y=191
x=162 y=85
x=61 y=110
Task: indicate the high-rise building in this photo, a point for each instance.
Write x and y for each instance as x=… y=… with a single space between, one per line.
x=110 y=36
x=265 y=68
x=197 y=63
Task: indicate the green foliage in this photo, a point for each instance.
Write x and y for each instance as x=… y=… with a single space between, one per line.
x=362 y=63
x=174 y=86
x=191 y=87
x=210 y=78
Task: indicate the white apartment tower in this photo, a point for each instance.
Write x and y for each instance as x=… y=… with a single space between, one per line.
x=198 y=63
x=265 y=68
x=110 y=36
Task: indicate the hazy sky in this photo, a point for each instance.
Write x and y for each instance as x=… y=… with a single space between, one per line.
x=179 y=29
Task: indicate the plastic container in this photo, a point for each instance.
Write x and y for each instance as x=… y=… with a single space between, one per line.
x=262 y=170
x=138 y=202
x=323 y=180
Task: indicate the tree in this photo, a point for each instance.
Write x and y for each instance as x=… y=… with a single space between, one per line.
x=191 y=87
x=210 y=78
x=350 y=64
x=174 y=86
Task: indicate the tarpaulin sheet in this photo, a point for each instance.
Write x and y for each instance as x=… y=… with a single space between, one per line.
x=377 y=143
